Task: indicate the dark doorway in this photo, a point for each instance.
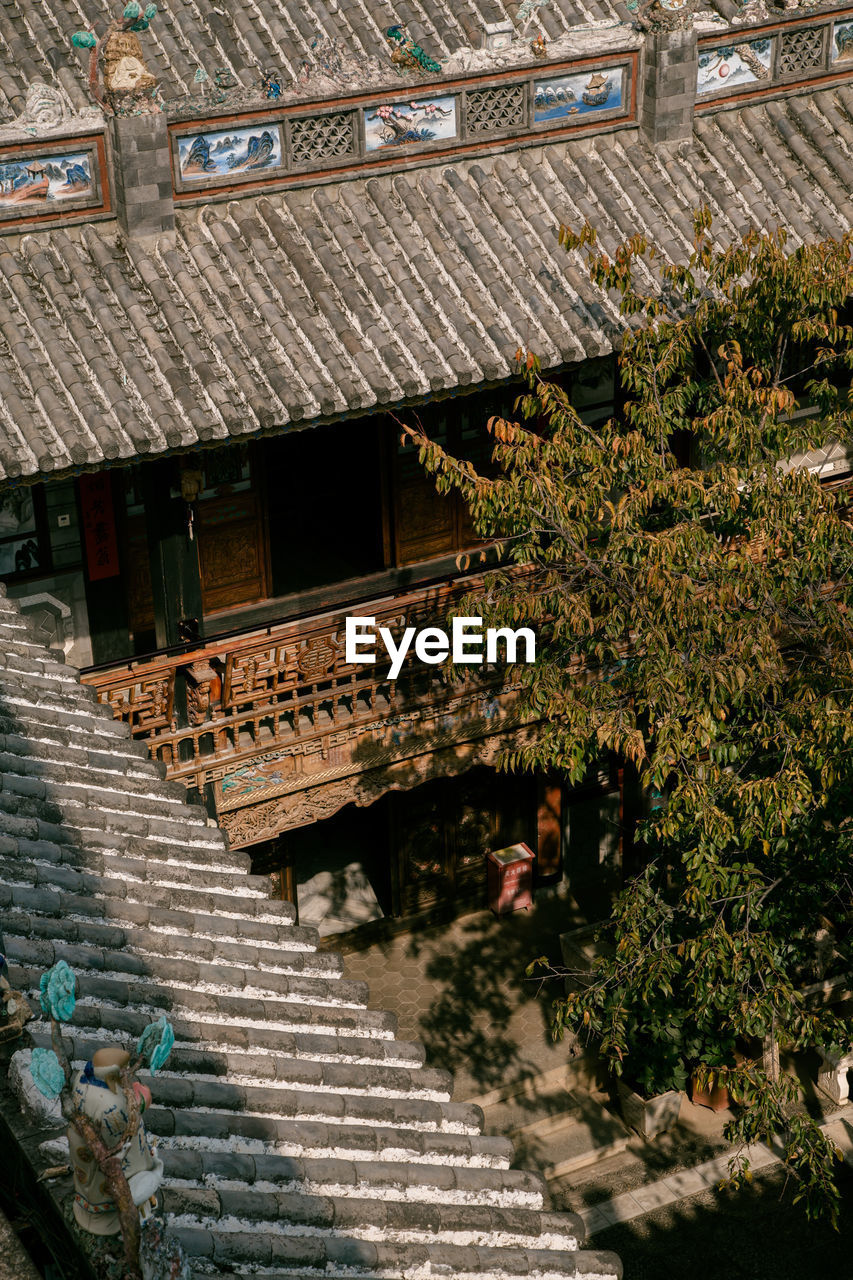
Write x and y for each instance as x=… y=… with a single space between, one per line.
x=324 y=493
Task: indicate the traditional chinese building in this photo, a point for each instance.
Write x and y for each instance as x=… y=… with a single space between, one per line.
x=299 y=1135
x=232 y=257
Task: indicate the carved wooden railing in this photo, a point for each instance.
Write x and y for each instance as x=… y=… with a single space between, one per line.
x=288 y=683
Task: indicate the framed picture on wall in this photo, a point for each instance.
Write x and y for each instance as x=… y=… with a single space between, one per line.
x=23 y=548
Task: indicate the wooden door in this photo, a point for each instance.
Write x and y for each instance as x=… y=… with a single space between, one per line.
x=425 y=522
x=229 y=523
x=443 y=831
x=421 y=850
x=232 y=551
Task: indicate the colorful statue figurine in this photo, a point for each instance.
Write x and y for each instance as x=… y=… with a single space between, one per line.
x=271 y=85
x=14 y=1009
x=119 y=80
x=116 y=1173
x=405 y=53
x=97 y=1092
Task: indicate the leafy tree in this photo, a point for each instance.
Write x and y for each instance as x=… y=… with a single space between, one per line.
x=692 y=595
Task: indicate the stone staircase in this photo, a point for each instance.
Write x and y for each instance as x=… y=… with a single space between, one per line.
x=300 y=1138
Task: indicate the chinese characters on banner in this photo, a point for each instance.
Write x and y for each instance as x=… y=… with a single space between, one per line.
x=99 y=529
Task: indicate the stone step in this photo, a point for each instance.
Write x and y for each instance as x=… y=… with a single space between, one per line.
x=412 y=1180
x=529 y=1110
x=558 y=1132
x=292 y=1035
x=121 y=758
x=314 y=1139
x=189 y=853
x=254 y=1034
x=221 y=1020
x=260 y=1062
x=32 y=957
x=173 y=1087
x=19 y=665
x=76 y=870
x=17 y=636
x=107 y=778
x=307 y=1104
x=145 y=904
x=89 y=826
x=39 y=820
x=54 y=681
x=285 y=1253
x=49 y=688
x=289 y=954
x=198 y=934
x=75 y=798
x=270 y=998
x=361 y=1218
x=52 y=715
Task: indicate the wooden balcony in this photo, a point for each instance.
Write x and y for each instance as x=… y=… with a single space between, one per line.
x=255 y=718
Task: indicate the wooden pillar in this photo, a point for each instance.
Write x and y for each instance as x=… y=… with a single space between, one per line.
x=173 y=554
x=549 y=828
x=98 y=499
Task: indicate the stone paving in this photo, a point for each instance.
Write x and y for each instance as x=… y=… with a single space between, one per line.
x=686 y=1183
x=461 y=989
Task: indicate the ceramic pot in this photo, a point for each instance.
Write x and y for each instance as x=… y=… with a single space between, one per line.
x=649 y=1116
x=717 y=1098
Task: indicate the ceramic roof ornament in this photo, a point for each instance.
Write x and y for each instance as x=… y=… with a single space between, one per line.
x=46 y=108
x=119 y=79
x=405 y=53
x=665 y=15
x=14 y=1008
x=528 y=15
x=115 y=1168
x=105 y=1095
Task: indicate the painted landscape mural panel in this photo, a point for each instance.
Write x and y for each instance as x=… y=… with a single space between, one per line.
x=577 y=94
x=212 y=155
x=842 y=42
x=44 y=179
x=732 y=64
x=401 y=123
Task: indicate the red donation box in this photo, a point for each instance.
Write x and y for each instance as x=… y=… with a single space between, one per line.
x=510 y=879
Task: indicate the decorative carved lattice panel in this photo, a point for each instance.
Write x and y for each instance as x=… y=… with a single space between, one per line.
x=146 y=704
x=492 y=109
x=801 y=50
x=258 y=675
x=321 y=137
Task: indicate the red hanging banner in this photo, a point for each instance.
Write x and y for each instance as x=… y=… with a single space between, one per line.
x=99 y=526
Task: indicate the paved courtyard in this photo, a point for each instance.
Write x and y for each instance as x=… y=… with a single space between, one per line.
x=461 y=989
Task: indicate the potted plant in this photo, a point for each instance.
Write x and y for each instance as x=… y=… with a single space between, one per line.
x=707 y=1089
x=641 y=1013
x=651 y=1085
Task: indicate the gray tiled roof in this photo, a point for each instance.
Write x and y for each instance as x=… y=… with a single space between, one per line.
x=347 y=297
x=278 y=1061
x=246 y=36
